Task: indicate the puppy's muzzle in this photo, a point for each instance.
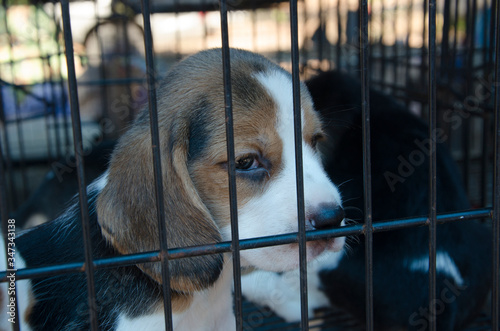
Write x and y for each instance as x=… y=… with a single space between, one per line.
x=326 y=216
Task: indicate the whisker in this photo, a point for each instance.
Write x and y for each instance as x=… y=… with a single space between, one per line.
x=354 y=213
x=344 y=182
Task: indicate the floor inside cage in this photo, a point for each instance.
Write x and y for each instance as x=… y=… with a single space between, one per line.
x=262 y=318
x=329 y=319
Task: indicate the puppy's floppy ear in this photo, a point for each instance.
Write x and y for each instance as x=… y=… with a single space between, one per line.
x=127 y=209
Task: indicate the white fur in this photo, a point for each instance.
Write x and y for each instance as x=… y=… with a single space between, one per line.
x=153 y=322
x=278 y=204
x=218 y=316
x=281 y=292
x=99 y=183
x=23 y=292
x=444 y=265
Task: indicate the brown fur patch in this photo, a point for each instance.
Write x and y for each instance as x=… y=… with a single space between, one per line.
x=312 y=122
x=255 y=133
x=191 y=121
x=126 y=206
x=31 y=304
x=180 y=302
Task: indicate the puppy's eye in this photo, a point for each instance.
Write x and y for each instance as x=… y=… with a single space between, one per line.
x=316 y=138
x=247 y=162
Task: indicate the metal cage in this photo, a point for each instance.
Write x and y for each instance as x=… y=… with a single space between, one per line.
x=442 y=43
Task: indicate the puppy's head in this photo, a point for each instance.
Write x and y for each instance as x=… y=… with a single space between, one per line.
x=194 y=164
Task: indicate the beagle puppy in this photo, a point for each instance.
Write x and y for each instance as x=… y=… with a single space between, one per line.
x=122 y=208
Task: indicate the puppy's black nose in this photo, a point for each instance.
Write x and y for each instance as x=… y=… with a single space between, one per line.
x=327 y=216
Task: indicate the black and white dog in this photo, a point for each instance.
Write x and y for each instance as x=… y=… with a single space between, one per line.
x=399 y=165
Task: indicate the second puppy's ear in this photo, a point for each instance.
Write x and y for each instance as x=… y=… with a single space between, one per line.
x=127 y=207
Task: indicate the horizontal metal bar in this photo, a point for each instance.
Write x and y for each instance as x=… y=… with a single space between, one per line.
x=179 y=7
x=111 y=81
x=31 y=58
x=282 y=239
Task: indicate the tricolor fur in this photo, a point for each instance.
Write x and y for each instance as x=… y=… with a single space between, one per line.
x=122 y=204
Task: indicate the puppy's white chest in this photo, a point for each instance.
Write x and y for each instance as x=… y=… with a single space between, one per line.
x=210 y=310
x=151 y=322
x=189 y=321
x=181 y=322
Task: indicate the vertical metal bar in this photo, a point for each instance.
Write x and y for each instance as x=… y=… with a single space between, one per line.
x=371 y=58
x=55 y=97
x=46 y=85
x=485 y=144
x=64 y=118
x=383 y=54
x=432 y=163
x=78 y=147
x=328 y=23
x=155 y=139
x=304 y=51
x=454 y=49
x=126 y=54
x=322 y=33
x=338 y=47
x=486 y=136
x=445 y=43
x=470 y=54
x=408 y=51
x=395 y=47
x=228 y=106
x=19 y=131
x=365 y=108
x=4 y=206
x=4 y=217
x=105 y=90
x=298 y=165
x=494 y=3
x=485 y=160
x=485 y=11
x=423 y=58
x=8 y=159
x=495 y=297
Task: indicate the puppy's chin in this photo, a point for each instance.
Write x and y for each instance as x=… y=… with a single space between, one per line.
x=286 y=257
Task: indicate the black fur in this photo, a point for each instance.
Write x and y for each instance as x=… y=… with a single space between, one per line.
x=61 y=301
x=400 y=189
x=61 y=183
x=198 y=134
